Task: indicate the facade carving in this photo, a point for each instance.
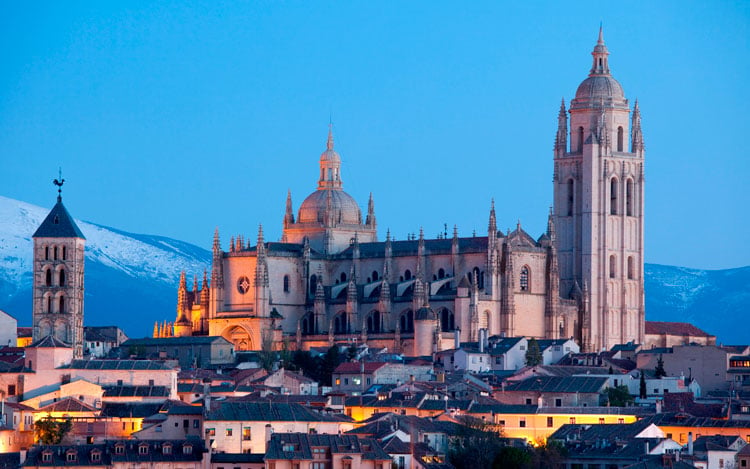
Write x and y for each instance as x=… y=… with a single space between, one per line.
x=330 y=280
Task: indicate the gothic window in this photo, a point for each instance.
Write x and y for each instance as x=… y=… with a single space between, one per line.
x=524 y=280
x=570 y=197
x=46 y=253
x=61 y=308
x=447 y=320
x=374 y=275
x=441 y=273
x=243 y=284
x=62 y=278
x=407 y=321
x=629 y=198
x=308 y=324
x=48 y=277
x=339 y=324
x=620 y=137
x=580 y=139
x=313 y=283
x=373 y=322
x=613 y=196
x=286 y=284
x=612 y=266
x=407 y=274
x=630 y=267
x=343 y=277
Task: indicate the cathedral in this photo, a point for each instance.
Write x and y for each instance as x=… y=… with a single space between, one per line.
x=330 y=280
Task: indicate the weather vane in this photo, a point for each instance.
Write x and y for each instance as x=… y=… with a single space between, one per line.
x=59 y=183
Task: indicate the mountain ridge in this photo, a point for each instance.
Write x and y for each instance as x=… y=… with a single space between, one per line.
x=135 y=276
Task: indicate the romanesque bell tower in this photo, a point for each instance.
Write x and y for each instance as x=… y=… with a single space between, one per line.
x=598 y=209
x=58 y=278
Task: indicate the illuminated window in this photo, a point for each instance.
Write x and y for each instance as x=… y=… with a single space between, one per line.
x=211 y=431
x=550 y=422
x=246 y=433
x=228 y=432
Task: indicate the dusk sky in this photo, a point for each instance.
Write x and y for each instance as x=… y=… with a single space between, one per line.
x=174 y=119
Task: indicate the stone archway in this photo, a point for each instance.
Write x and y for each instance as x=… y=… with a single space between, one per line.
x=240 y=336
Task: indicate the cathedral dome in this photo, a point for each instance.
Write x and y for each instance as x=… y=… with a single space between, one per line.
x=600 y=86
x=425 y=313
x=344 y=209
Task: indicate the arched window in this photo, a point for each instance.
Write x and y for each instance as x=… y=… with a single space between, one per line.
x=343 y=277
x=580 y=139
x=570 y=197
x=313 y=283
x=407 y=274
x=46 y=253
x=630 y=268
x=49 y=304
x=286 y=284
x=339 y=324
x=61 y=306
x=524 y=279
x=64 y=253
x=55 y=253
x=613 y=196
x=407 y=321
x=447 y=320
x=620 y=138
x=373 y=322
x=48 y=277
x=374 y=275
x=612 y=266
x=441 y=273
x=62 y=278
x=308 y=324
x=629 y=198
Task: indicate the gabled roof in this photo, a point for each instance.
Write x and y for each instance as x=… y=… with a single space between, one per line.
x=302 y=444
x=263 y=412
x=135 y=391
x=141 y=365
x=58 y=224
x=175 y=341
x=49 y=342
x=569 y=384
x=356 y=367
x=69 y=404
x=674 y=328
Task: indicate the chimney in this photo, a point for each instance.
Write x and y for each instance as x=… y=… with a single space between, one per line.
x=690 y=443
x=658 y=406
x=647 y=448
x=457 y=338
x=269 y=432
x=207 y=396
x=482 y=332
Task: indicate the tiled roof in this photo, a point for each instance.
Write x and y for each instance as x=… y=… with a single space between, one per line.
x=58 y=224
x=301 y=445
x=69 y=404
x=174 y=341
x=571 y=384
x=356 y=367
x=140 y=365
x=263 y=412
x=130 y=453
x=49 y=342
x=674 y=328
x=129 y=409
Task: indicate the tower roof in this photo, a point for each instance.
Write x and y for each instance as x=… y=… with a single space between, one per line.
x=58 y=224
x=600 y=84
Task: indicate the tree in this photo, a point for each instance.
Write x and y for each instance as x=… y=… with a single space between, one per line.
x=511 y=457
x=267 y=354
x=332 y=359
x=50 y=431
x=548 y=455
x=660 y=372
x=533 y=353
x=619 y=396
x=642 y=391
x=476 y=444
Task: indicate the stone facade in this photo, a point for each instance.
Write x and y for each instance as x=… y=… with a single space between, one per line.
x=57 y=309
x=329 y=280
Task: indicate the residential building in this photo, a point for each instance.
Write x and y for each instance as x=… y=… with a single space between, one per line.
x=312 y=451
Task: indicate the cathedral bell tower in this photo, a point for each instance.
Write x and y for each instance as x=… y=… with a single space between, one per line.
x=598 y=209
x=57 y=309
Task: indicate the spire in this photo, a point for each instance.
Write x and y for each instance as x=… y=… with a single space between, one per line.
x=289 y=214
x=330 y=165
x=551 y=226
x=370 y=220
x=561 y=139
x=600 y=54
x=492 y=225
x=261 y=247
x=59 y=183
x=637 y=135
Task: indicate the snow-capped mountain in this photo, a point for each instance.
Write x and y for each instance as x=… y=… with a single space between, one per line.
x=131 y=279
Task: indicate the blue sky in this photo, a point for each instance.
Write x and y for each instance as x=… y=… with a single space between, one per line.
x=173 y=119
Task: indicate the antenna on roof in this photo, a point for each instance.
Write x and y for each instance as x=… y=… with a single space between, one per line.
x=59 y=183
